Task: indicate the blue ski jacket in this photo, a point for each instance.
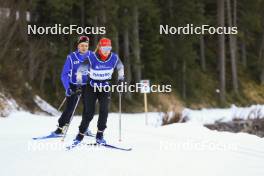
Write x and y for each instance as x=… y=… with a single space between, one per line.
x=75 y=70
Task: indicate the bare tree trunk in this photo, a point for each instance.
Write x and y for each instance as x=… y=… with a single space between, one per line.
x=184 y=80
x=127 y=61
x=95 y=21
x=82 y=13
x=71 y=41
x=54 y=80
x=43 y=77
x=232 y=46
x=202 y=54
x=235 y=77
x=22 y=20
x=103 y=14
x=31 y=63
x=96 y=39
x=171 y=40
x=115 y=47
x=261 y=59
x=261 y=56
x=116 y=42
x=12 y=26
x=221 y=49
x=244 y=53
x=136 y=45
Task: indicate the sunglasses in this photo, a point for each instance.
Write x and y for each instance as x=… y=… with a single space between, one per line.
x=106 y=48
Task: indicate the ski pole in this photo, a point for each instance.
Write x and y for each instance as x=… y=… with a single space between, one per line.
x=67 y=125
x=120 y=116
x=62 y=103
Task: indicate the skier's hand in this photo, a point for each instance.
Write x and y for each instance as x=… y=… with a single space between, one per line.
x=68 y=92
x=78 y=91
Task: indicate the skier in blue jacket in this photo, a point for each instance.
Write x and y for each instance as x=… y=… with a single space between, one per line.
x=101 y=66
x=74 y=78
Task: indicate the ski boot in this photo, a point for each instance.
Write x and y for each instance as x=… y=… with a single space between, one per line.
x=100 y=138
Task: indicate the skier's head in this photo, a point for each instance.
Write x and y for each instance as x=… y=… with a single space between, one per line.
x=105 y=46
x=83 y=44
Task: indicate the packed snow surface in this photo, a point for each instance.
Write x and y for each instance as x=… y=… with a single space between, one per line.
x=187 y=149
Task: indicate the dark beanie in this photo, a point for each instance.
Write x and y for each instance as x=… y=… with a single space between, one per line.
x=83 y=39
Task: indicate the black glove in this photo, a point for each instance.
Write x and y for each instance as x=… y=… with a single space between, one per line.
x=78 y=91
x=68 y=92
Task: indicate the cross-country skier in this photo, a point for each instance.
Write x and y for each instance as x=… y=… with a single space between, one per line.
x=101 y=65
x=74 y=77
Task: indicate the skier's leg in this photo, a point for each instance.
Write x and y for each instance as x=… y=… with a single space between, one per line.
x=66 y=115
x=89 y=101
x=103 y=98
x=85 y=109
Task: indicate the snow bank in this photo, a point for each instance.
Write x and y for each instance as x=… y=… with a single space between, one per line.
x=46 y=107
x=7 y=106
x=209 y=116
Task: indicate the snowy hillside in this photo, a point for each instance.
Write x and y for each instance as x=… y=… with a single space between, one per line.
x=187 y=149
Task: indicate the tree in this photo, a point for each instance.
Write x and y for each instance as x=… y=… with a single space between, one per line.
x=233 y=44
x=136 y=44
x=221 y=49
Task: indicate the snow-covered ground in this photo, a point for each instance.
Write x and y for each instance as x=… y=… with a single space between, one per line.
x=187 y=149
x=209 y=116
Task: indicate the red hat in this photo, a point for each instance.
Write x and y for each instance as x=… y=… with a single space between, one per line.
x=105 y=42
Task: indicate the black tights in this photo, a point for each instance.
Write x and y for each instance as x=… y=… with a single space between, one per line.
x=90 y=97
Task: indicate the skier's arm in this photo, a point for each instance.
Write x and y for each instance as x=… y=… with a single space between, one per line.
x=120 y=69
x=65 y=77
